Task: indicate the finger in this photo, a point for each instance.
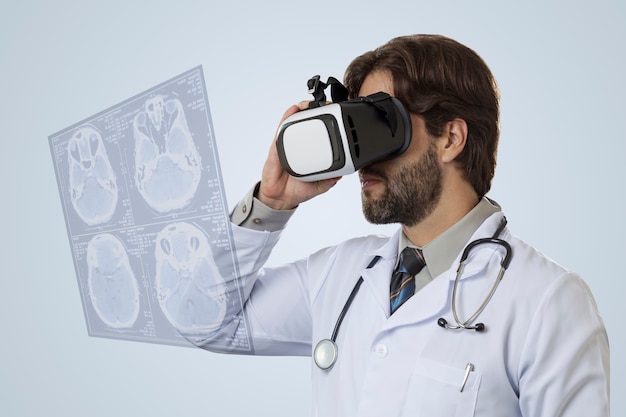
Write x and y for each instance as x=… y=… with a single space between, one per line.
x=291 y=110
x=327 y=184
x=303 y=105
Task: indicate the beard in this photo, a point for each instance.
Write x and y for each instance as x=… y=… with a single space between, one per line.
x=410 y=194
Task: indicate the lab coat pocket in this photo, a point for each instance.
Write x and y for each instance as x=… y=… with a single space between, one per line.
x=435 y=391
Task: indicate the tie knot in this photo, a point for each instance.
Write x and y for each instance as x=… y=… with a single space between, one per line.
x=411 y=260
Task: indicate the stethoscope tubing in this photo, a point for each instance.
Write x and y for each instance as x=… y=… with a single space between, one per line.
x=506 y=260
x=326 y=351
x=348 y=303
x=345 y=310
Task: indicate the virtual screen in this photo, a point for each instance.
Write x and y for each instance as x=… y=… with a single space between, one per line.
x=146 y=215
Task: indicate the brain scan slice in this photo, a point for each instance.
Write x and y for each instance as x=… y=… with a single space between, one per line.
x=167 y=163
x=189 y=286
x=113 y=288
x=93 y=187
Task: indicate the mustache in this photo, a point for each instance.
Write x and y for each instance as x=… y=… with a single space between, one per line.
x=369 y=170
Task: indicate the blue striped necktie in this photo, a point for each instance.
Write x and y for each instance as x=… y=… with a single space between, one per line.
x=402 y=285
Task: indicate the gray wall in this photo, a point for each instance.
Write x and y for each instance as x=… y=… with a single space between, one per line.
x=560 y=179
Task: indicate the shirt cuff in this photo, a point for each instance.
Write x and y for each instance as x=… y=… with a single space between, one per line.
x=251 y=213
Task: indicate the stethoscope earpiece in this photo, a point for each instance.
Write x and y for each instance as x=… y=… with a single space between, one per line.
x=479 y=327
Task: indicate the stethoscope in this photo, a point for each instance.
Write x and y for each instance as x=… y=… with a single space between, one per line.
x=325 y=353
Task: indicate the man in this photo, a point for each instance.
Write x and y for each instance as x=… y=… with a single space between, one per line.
x=541 y=348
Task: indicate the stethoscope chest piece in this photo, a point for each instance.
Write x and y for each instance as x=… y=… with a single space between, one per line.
x=325 y=354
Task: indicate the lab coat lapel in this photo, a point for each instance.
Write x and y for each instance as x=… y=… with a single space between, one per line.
x=378 y=277
x=427 y=303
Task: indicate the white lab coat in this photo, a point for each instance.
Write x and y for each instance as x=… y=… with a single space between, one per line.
x=544 y=352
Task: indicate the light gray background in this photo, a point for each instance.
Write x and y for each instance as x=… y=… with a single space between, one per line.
x=560 y=66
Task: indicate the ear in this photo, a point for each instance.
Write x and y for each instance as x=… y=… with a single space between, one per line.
x=455 y=136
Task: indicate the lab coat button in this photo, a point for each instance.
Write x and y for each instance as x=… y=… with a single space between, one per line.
x=381 y=350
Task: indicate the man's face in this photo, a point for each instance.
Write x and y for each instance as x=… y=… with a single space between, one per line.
x=407 y=188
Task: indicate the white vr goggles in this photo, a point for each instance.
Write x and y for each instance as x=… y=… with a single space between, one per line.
x=331 y=140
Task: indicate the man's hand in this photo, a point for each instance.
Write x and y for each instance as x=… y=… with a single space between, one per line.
x=278 y=189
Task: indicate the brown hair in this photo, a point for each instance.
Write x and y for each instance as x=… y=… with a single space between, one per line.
x=441 y=80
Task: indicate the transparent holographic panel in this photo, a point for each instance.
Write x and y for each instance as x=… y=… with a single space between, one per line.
x=145 y=209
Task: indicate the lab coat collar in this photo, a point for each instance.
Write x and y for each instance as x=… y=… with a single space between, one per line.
x=431 y=300
x=435 y=298
x=479 y=257
x=440 y=253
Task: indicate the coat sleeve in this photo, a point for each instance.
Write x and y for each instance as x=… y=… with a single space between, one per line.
x=564 y=371
x=269 y=307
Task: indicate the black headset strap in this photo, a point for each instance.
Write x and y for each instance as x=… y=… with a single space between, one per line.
x=338 y=91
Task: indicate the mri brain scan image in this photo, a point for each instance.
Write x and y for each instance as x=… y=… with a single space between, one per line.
x=167 y=163
x=113 y=289
x=189 y=286
x=93 y=187
x=147 y=218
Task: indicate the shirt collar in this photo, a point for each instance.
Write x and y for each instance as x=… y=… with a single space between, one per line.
x=444 y=249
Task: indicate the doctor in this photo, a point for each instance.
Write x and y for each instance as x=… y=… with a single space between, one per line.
x=543 y=350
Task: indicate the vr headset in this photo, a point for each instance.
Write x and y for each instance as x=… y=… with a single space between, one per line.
x=331 y=140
